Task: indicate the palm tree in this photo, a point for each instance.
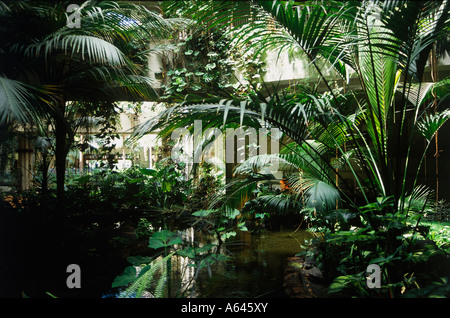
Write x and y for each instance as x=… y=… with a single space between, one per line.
x=46 y=63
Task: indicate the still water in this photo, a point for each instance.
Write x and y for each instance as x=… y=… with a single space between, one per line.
x=255 y=267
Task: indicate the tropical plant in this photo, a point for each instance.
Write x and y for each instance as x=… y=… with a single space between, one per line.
x=367 y=130
x=156 y=273
x=104 y=191
x=60 y=73
x=202 y=64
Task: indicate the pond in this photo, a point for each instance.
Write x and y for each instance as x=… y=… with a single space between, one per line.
x=255 y=265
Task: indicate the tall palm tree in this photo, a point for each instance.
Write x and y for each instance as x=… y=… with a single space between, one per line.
x=46 y=63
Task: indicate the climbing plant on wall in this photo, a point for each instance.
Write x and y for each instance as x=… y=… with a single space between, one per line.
x=200 y=64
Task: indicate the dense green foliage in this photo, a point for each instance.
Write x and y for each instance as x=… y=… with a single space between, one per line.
x=55 y=76
x=354 y=137
x=204 y=66
x=348 y=152
x=102 y=205
x=170 y=245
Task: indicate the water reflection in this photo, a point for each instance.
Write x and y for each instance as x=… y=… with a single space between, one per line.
x=254 y=269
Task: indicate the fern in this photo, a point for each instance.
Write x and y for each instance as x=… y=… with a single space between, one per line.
x=145 y=279
x=159 y=289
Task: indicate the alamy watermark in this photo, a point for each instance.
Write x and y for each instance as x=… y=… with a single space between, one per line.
x=231 y=146
x=373 y=280
x=74 y=279
x=73 y=19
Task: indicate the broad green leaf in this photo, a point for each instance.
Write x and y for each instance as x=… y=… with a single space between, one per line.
x=164 y=238
x=340 y=283
x=144 y=270
x=166 y=186
x=187 y=252
x=134 y=180
x=128 y=276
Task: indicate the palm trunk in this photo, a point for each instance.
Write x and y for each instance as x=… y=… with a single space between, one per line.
x=44 y=170
x=60 y=161
x=434 y=78
x=62 y=136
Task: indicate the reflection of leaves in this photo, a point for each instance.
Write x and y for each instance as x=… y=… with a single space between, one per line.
x=242 y=226
x=192 y=252
x=227 y=235
x=164 y=238
x=211 y=259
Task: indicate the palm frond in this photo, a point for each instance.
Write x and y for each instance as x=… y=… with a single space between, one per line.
x=431 y=123
x=88 y=48
x=16 y=101
x=316 y=193
x=279 y=204
x=260 y=163
x=419 y=201
x=416 y=25
x=238 y=191
x=306 y=28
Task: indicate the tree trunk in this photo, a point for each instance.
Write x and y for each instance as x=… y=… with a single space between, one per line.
x=60 y=161
x=45 y=165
